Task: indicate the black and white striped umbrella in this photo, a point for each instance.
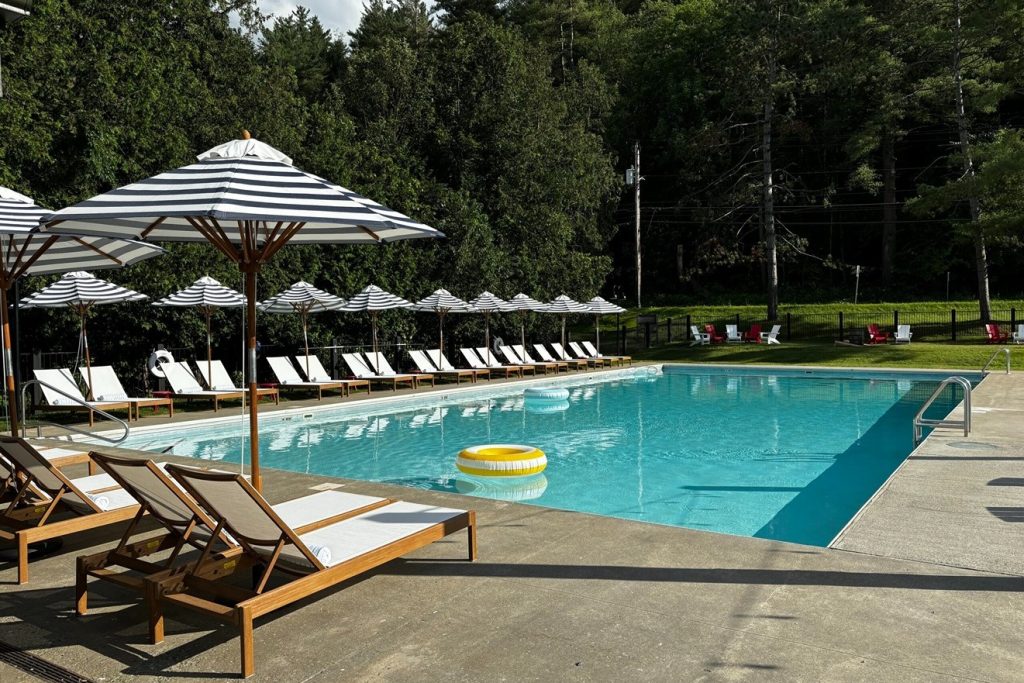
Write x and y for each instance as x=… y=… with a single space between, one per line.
x=564 y=307
x=524 y=305
x=442 y=302
x=598 y=307
x=303 y=298
x=80 y=291
x=246 y=199
x=488 y=304
x=206 y=294
x=25 y=250
x=372 y=299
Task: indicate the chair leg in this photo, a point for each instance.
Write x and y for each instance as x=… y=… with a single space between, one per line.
x=245 y=626
x=22 y=559
x=155 y=610
x=81 y=587
x=471 y=532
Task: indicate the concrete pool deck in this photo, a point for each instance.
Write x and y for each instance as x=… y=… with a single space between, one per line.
x=920 y=587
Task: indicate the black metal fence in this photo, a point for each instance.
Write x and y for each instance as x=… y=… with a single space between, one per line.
x=952 y=326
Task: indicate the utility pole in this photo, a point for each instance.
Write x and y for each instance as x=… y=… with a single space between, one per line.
x=633 y=178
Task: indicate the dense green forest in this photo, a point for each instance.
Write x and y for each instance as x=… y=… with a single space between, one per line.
x=782 y=141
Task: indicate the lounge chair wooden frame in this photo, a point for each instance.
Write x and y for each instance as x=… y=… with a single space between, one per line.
x=491 y=360
x=476 y=362
x=429 y=369
x=27 y=519
x=138 y=402
x=186 y=589
x=261 y=392
x=589 y=346
x=341 y=385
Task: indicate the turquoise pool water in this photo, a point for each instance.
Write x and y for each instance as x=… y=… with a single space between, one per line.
x=782 y=455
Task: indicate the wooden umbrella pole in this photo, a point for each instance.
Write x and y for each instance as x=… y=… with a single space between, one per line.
x=250 y=270
x=82 y=312
x=304 y=314
x=440 y=333
x=597 y=330
x=12 y=392
x=563 y=331
x=209 y=347
x=373 y=326
x=487 y=329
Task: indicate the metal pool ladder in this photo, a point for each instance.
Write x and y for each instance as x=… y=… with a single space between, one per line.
x=920 y=421
x=992 y=359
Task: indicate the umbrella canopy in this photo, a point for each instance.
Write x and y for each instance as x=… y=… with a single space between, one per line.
x=206 y=294
x=372 y=299
x=24 y=250
x=524 y=304
x=80 y=291
x=442 y=302
x=303 y=298
x=488 y=304
x=564 y=306
x=246 y=199
x=598 y=307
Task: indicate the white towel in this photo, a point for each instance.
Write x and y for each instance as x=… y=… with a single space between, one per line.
x=102 y=501
x=322 y=553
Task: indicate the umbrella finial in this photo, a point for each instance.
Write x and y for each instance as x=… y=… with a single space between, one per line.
x=246 y=135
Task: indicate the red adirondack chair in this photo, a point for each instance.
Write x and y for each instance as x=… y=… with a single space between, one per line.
x=715 y=337
x=995 y=335
x=753 y=335
x=875 y=335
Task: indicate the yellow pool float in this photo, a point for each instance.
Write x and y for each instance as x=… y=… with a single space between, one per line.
x=501 y=460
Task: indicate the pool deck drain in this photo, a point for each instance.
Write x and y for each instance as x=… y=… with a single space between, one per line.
x=568 y=596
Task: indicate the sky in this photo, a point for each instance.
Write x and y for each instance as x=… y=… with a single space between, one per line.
x=335 y=15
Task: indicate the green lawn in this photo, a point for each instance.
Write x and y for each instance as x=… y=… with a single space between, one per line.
x=915 y=355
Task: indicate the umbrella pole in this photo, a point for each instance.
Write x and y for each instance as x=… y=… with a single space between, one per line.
x=440 y=334
x=487 y=330
x=373 y=324
x=254 y=426
x=88 y=361
x=305 y=338
x=563 y=331
x=597 y=331
x=522 y=329
x=209 y=349
x=12 y=405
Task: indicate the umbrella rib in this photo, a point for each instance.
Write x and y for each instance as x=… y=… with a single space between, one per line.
x=98 y=251
x=151 y=227
x=371 y=233
x=28 y=264
x=272 y=247
x=217 y=239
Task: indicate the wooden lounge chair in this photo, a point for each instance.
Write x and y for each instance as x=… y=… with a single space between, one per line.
x=184 y=524
x=288 y=378
x=773 y=336
x=491 y=361
x=580 y=352
x=217 y=378
x=560 y=354
x=592 y=350
x=993 y=335
x=360 y=370
x=474 y=361
x=318 y=373
x=308 y=561
x=441 y=362
x=106 y=386
x=185 y=385
x=546 y=357
x=48 y=505
x=423 y=365
x=524 y=357
x=732 y=334
x=875 y=335
x=62 y=393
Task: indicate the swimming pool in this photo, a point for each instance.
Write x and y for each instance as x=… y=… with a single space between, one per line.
x=781 y=454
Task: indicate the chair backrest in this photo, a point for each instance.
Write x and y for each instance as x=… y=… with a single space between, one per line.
x=873 y=329
x=154 y=489
x=215 y=375
x=755 y=331
x=1020 y=331
x=314 y=369
x=180 y=378
x=511 y=355
x=105 y=384
x=439 y=360
x=775 y=331
x=357 y=366
x=41 y=472
x=575 y=348
x=543 y=352
x=732 y=331
x=710 y=329
x=560 y=351
x=283 y=370
x=903 y=331
x=472 y=360
x=420 y=360
x=523 y=353
x=992 y=330
x=246 y=515
x=59 y=379
x=592 y=350
x=379 y=363
x=491 y=360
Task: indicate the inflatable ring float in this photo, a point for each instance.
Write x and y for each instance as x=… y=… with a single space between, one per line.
x=156 y=358
x=547 y=394
x=501 y=460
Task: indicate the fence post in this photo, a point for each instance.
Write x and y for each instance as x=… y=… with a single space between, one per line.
x=737 y=321
x=668 y=333
x=952 y=324
x=789 y=326
x=1013 y=319
x=688 y=323
x=841 y=326
x=895 y=321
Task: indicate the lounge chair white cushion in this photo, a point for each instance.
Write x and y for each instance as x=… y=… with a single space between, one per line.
x=317 y=506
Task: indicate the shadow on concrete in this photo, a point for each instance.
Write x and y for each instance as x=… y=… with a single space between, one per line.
x=1007 y=514
x=1007 y=481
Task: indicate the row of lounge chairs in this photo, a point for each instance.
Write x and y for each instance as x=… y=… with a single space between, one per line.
x=286 y=552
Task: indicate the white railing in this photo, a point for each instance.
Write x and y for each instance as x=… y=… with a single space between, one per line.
x=74 y=399
x=1005 y=352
